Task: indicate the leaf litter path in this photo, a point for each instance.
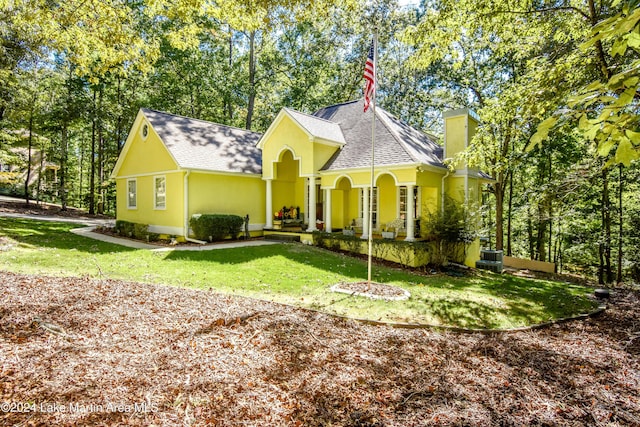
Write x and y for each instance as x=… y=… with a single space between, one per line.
x=105 y=352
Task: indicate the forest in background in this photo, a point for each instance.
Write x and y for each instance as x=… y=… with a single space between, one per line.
x=555 y=84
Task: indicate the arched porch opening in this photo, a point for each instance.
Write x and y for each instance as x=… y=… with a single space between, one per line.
x=344 y=204
x=288 y=188
x=385 y=201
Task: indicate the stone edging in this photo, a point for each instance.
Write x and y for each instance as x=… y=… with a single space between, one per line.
x=405 y=294
x=594 y=313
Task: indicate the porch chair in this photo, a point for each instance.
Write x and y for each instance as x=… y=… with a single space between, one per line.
x=398 y=225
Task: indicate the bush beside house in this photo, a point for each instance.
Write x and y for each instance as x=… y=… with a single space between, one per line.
x=215 y=227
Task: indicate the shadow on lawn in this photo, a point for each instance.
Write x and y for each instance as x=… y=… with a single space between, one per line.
x=294 y=253
x=55 y=235
x=525 y=301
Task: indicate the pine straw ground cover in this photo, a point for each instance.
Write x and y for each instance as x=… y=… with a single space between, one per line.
x=104 y=352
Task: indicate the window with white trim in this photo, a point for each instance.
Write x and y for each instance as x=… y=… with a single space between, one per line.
x=403 y=203
x=132 y=194
x=375 y=206
x=160 y=192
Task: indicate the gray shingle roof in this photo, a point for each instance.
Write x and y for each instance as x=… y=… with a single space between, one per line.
x=397 y=143
x=202 y=145
x=318 y=127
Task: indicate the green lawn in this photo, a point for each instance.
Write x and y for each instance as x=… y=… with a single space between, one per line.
x=294 y=274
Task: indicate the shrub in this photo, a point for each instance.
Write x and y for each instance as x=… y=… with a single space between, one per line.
x=140 y=231
x=451 y=229
x=134 y=230
x=215 y=227
x=124 y=228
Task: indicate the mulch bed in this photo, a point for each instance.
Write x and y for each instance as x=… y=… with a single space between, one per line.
x=372 y=290
x=104 y=352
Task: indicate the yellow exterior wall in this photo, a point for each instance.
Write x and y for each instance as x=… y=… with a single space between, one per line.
x=227 y=194
x=454 y=188
x=387 y=199
x=146 y=155
x=430 y=198
x=455 y=137
x=460 y=127
x=143 y=159
x=337 y=209
x=321 y=155
x=287 y=133
x=362 y=178
x=169 y=219
x=529 y=264
x=405 y=175
x=344 y=203
x=430 y=184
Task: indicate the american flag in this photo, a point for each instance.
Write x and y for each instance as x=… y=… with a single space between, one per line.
x=369 y=77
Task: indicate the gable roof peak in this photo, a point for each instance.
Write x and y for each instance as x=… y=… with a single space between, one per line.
x=202 y=145
x=397 y=143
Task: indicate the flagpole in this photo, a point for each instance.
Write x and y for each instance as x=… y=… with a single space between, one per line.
x=373 y=153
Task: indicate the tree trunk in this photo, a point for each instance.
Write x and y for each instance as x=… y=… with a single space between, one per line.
x=605 y=274
x=228 y=99
x=92 y=173
x=252 y=79
x=40 y=171
x=63 y=164
x=607 y=227
x=620 y=219
x=499 y=188
x=81 y=175
x=550 y=208
x=601 y=263
x=530 y=232
x=101 y=198
x=542 y=233
x=29 y=156
x=120 y=120
x=509 y=252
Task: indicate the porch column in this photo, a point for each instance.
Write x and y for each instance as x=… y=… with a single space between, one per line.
x=365 y=213
x=312 y=204
x=269 y=204
x=411 y=224
x=327 y=215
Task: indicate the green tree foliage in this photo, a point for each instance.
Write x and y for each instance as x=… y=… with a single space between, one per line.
x=606 y=109
x=550 y=76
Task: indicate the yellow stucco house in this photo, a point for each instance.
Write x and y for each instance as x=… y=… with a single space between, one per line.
x=315 y=168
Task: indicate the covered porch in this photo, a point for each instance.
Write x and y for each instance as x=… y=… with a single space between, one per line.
x=399 y=198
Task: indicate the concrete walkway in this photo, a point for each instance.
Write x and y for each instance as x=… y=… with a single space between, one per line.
x=88 y=232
